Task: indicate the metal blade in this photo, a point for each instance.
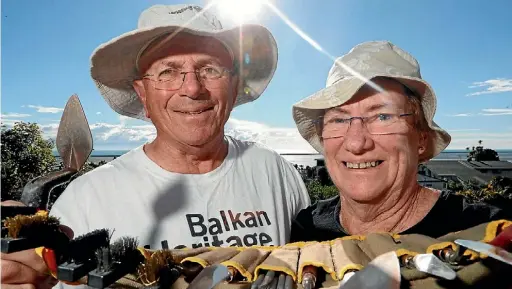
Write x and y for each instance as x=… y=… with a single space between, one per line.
x=210 y=277
x=487 y=249
x=430 y=264
x=74 y=137
x=383 y=273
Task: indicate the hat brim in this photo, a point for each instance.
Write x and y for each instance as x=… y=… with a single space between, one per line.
x=308 y=111
x=113 y=64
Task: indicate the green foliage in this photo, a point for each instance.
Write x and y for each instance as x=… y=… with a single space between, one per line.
x=481 y=154
x=25 y=155
x=455 y=186
x=319 y=192
x=497 y=192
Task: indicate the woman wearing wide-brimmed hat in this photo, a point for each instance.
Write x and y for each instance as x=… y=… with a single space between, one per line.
x=374 y=125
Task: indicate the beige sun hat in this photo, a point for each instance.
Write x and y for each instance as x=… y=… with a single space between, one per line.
x=369 y=60
x=114 y=63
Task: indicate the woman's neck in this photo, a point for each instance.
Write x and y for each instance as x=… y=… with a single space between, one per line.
x=187 y=160
x=395 y=214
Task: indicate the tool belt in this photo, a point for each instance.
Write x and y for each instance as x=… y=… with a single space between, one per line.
x=337 y=257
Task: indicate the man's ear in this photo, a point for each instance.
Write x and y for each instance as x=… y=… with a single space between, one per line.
x=236 y=88
x=139 y=88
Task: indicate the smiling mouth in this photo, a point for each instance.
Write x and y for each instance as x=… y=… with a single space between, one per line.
x=363 y=165
x=194 y=112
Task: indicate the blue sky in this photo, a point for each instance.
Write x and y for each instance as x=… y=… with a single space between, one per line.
x=464 y=49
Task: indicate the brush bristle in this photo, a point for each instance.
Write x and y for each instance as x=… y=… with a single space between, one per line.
x=82 y=248
x=123 y=250
x=33 y=226
x=160 y=261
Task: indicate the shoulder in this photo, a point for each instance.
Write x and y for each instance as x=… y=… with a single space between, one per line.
x=251 y=150
x=317 y=222
x=462 y=208
x=319 y=211
x=100 y=177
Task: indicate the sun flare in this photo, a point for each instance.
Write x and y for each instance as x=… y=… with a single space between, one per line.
x=239 y=11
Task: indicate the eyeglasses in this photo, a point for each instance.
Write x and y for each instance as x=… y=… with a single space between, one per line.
x=378 y=124
x=172 y=79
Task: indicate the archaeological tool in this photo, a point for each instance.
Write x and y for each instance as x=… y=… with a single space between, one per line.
x=487 y=249
x=74 y=143
x=309 y=277
x=383 y=273
x=430 y=264
x=210 y=277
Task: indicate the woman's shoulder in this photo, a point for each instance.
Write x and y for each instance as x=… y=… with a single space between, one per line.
x=317 y=222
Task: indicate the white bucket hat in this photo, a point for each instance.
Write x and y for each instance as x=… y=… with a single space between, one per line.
x=369 y=60
x=114 y=64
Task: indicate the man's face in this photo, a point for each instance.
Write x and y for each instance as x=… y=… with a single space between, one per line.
x=192 y=114
x=395 y=156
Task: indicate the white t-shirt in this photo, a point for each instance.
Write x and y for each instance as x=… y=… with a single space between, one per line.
x=250 y=199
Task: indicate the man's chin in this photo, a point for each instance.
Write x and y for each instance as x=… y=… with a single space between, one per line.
x=195 y=139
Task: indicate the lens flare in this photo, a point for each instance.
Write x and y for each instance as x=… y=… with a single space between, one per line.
x=239 y=11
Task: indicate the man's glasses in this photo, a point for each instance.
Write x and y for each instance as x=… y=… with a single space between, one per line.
x=381 y=123
x=172 y=79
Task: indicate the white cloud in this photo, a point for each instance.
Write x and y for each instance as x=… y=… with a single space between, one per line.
x=126 y=134
x=14 y=115
x=9 y=119
x=492 y=86
x=464 y=129
x=461 y=114
x=45 y=109
x=10 y=122
x=129 y=133
x=99 y=112
x=486 y=111
x=49 y=130
x=496 y=111
x=280 y=139
x=495 y=140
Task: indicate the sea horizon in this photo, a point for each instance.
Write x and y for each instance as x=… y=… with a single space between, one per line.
x=307 y=159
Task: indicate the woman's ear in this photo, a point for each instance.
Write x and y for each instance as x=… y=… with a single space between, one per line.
x=139 y=88
x=423 y=143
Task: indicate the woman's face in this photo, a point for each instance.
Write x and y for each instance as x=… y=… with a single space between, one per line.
x=364 y=166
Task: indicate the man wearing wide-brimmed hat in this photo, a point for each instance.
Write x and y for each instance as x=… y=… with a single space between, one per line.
x=373 y=122
x=192 y=186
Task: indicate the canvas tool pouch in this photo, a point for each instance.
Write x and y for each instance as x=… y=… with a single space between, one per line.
x=246 y=261
x=281 y=259
x=337 y=257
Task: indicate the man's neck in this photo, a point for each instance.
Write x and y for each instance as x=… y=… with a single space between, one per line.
x=187 y=159
x=399 y=211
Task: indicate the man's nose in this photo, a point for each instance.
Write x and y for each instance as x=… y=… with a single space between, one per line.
x=357 y=139
x=191 y=86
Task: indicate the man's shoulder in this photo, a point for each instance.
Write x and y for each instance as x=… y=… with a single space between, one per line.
x=117 y=167
x=254 y=150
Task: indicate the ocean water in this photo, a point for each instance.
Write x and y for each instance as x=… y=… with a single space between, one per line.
x=310 y=159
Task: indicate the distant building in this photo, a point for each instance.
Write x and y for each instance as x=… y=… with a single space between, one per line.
x=432 y=182
x=482 y=171
x=437 y=173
